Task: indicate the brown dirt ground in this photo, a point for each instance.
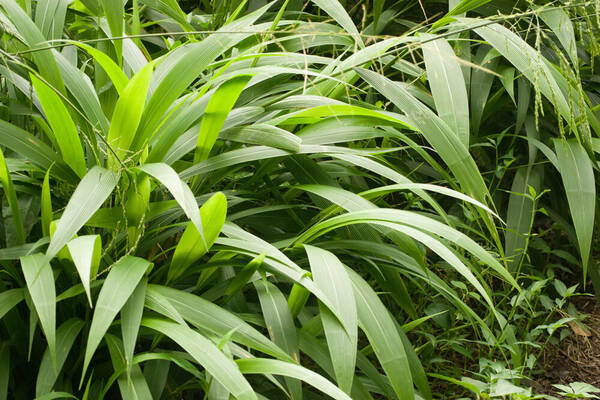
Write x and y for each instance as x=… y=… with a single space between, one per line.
x=577 y=357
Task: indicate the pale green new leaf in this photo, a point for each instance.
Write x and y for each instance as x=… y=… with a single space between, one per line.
x=220 y=104
x=62 y=125
x=194 y=245
x=128 y=112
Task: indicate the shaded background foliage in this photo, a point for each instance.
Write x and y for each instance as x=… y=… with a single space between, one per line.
x=393 y=194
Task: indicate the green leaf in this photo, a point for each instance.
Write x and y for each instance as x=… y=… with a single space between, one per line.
x=182 y=66
x=244 y=275
x=132 y=385
x=447 y=86
x=50 y=18
x=560 y=23
x=9 y=299
x=220 y=104
x=92 y=191
x=116 y=75
x=85 y=252
x=277 y=367
x=35 y=40
x=34 y=150
x=65 y=337
x=46 y=205
x=40 y=284
x=280 y=325
x=131 y=316
x=339 y=14
x=194 y=245
x=120 y=283
x=215 y=320
x=330 y=275
x=127 y=114
x=519 y=215
x=577 y=174
x=115 y=16
x=445 y=142
x=207 y=354
x=12 y=200
x=374 y=319
x=62 y=125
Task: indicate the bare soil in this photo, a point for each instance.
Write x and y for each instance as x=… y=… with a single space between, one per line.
x=577 y=357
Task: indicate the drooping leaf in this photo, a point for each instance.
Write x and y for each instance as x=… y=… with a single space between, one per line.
x=92 y=191
x=120 y=283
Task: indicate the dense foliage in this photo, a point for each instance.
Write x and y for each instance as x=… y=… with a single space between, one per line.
x=397 y=198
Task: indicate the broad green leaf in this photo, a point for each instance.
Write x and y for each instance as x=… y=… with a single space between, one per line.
x=280 y=325
x=481 y=84
x=336 y=11
x=215 y=320
x=182 y=66
x=181 y=192
x=519 y=215
x=447 y=86
x=85 y=253
x=577 y=174
x=82 y=89
x=34 y=150
x=36 y=40
x=131 y=316
x=263 y=134
x=277 y=367
x=46 y=205
x=127 y=114
x=9 y=299
x=12 y=200
x=120 y=283
x=244 y=275
x=220 y=104
x=92 y=191
x=65 y=337
x=62 y=125
x=50 y=17
x=560 y=23
x=113 y=9
x=374 y=319
x=192 y=244
x=451 y=150
x=531 y=64
x=207 y=354
x=330 y=275
x=40 y=284
x=132 y=385
x=170 y=8
x=116 y=75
